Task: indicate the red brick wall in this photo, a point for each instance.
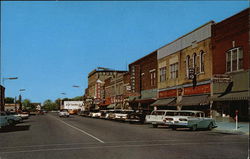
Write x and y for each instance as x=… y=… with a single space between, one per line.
x=235 y=28
x=144 y=65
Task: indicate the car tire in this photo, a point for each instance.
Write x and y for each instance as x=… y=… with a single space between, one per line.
x=210 y=126
x=194 y=127
x=174 y=128
x=11 y=122
x=154 y=125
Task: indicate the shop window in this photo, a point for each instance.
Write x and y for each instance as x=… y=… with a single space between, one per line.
x=234 y=60
x=174 y=71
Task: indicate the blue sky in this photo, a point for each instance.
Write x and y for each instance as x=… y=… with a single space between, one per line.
x=51 y=46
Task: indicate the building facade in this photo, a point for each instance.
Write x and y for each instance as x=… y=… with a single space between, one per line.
x=231 y=85
x=96 y=90
x=143 y=79
x=185 y=70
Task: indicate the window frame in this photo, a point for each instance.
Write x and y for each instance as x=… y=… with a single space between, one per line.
x=230 y=53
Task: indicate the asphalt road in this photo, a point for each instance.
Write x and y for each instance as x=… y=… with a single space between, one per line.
x=50 y=137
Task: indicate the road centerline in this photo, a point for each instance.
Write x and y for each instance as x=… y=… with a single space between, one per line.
x=86 y=133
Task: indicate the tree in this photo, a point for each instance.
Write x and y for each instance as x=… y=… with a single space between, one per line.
x=9 y=100
x=27 y=105
x=77 y=98
x=49 y=105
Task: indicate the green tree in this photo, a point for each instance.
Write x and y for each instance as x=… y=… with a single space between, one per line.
x=9 y=100
x=27 y=105
x=77 y=98
x=49 y=105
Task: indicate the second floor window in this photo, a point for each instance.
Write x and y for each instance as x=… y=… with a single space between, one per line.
x=187 y=65
x=152 y=78
x=163 y=74
x=234 y=59
x=202 y=61
x=174 y=71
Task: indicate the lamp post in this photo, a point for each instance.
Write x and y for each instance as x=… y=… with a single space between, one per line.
x=9 y=78
x=20 y=98
x=61 y=100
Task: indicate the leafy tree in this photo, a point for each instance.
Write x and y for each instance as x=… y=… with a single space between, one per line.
x=78 y=98
x=27 y=105
x=49 y=105
x=9 y=100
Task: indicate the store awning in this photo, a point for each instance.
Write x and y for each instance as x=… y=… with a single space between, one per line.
x=111 y=106
x=118 y=106
x=144 y=100
x=163 y=102
x=232 y=96
x=194 y=100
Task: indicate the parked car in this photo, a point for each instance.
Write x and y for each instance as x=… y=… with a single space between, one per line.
x=63 y=113
x=190 y=119
x=12 y=119
x=136 y=117
x=122 y=114
x=110 y=114
x=23 y=114
x=3 y=120
x=95 y=114
x=84 y=113
x=103 y=114
x=157 y=117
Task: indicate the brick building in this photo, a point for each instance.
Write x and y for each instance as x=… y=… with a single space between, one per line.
x=230 y=43
x=95 y=91
x=178 y=63
x=114 y=90
x=143 y=75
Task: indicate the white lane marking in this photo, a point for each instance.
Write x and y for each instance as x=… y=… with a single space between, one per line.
x=119 y=146
x=80 y=130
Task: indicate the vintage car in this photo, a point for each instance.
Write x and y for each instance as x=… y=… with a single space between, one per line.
x=84 y=113
x=3 y=120
x=157 y=117
x=122 y=114
x=137 y=117
x=63 y=113
x=190 y=119
x=11 y=118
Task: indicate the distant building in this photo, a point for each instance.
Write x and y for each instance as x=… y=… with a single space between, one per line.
x=11 y=107
x=95 y=90
x=231 y=86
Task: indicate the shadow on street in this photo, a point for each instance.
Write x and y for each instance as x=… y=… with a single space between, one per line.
x=15 y=128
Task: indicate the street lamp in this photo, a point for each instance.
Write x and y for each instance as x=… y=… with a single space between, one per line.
x=61 y=100
x=9 y=78
x=20 y=98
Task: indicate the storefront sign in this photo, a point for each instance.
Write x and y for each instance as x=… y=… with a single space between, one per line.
x=201 y=89
x=168 y=93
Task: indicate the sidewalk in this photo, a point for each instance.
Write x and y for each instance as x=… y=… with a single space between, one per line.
x=230 y=127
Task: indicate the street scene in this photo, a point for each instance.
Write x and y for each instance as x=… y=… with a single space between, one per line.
x=49 y=136
x=124 y=80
